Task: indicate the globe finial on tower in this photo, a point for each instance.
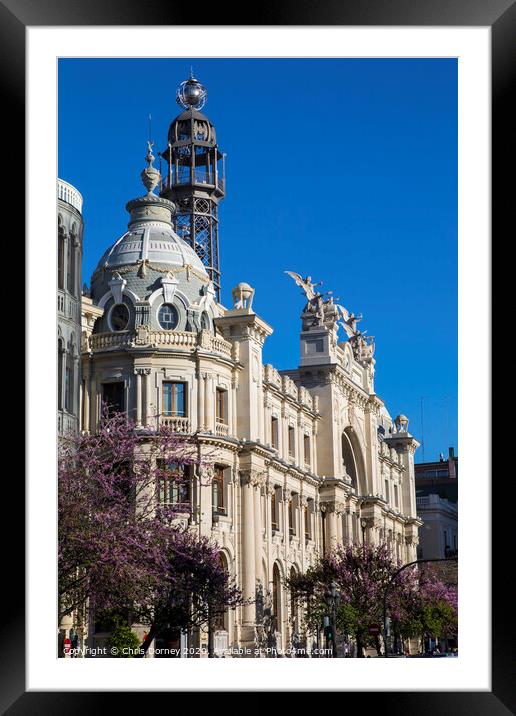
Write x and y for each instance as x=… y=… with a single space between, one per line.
x=191 y=93
x=150 y=175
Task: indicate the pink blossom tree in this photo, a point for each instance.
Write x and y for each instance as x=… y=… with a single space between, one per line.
x=121 y=546
x=361 y=575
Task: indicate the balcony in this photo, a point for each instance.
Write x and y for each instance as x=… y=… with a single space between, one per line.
x=182 y=340
x=221 y=429
x=176 y=424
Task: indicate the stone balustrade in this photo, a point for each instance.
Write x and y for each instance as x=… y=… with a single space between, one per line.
x=177 y=425
x=156 y=339
x=221 y=429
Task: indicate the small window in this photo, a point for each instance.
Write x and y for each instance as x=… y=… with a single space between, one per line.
x=205 y=322
x=119 y=317
x=274 y=433
x=221 y=406
x=174 y=400
x=168 y=317
x=291 y=441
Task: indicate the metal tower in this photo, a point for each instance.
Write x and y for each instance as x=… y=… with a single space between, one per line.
x=195 y=180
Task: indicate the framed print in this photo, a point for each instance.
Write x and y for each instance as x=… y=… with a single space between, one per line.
x=207 y=475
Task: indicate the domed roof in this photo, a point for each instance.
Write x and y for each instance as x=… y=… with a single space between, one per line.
x=152 y=242
x=150 y=262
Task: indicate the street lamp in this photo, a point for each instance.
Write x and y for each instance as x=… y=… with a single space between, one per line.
x=332 y=598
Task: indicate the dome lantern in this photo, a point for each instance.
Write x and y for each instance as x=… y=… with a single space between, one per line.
x=195 y=180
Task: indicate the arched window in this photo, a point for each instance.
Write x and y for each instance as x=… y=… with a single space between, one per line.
x=70 y=269
x=349 y=462
x=60 y=358
x=294 y=605
x=69 y=379
x=220 y=619
x=60 y=256
x=276 y=597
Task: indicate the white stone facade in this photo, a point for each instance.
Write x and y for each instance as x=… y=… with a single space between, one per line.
x=304 y=467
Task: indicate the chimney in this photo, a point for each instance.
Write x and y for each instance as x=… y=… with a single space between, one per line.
x=451 y=463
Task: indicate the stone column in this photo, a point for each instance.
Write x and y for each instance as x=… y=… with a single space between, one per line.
x=86 y=399
x=208 y=404
x=200 y=400
x=248 y=557
x=138 y=373
x=331 y=519
x=303 y=502
x=147 y=416
x=258 y=538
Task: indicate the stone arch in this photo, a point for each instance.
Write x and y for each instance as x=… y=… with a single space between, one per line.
x=353 y=460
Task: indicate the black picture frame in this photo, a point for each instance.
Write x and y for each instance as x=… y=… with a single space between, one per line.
x=500 y=16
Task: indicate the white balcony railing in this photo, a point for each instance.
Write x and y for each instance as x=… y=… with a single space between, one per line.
x=180 y=339
x=178 y=425
x=221 y=429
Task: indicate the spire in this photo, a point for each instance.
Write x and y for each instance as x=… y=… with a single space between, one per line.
x=150 y=175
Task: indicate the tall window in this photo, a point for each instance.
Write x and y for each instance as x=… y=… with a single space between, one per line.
x=69 y=380
x=274 y=433
x=308 y=519
x=387 y=490
x=70 y=272
x=274 y=510
x=220 y=618
x=291 y=441
x=113 y=396
x=173 y=486
x=221 y=406
x=174 y=399
x=60 y=358
x=219 y=505
x=306 y=444
x=276 y=597
x=396 y=496
x=60 y=258
x=292 y=515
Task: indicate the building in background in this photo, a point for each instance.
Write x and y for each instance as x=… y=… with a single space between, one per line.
x=436 y=497
x=69 y=265
x=307 y=458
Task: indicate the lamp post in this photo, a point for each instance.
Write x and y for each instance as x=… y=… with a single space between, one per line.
x=332 y=598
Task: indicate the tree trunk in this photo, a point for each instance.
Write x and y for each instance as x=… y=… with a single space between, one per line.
x=211 y=649
x=360 y=647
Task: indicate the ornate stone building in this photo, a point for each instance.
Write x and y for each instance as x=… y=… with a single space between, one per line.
x=307 y=458
x=69 y=252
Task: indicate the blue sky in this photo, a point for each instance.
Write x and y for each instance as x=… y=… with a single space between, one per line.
x=343 y=169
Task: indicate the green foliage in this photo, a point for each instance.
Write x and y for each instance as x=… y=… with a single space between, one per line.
x=347 y=619
x=124 y=641
x=438 y=619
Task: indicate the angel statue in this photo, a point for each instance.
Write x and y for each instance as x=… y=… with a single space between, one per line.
x=350 y=321
x=306 y=284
